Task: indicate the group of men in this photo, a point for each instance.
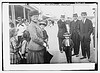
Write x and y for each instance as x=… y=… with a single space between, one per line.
x=80 y=31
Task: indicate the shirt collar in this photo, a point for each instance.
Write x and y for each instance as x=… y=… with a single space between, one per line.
x=84 y=20
x=75 y=20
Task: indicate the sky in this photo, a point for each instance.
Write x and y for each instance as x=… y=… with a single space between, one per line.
x=68 y=10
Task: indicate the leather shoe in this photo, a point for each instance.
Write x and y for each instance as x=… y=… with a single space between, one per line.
x=73 y=55
x=77 y=55
x=89 y=60
x=83 y=58
x=61 y=51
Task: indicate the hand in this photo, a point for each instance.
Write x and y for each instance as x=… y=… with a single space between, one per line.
x=48 y=46
x=87 y=36
x=23 y=55
x=46 y=40
x=44 y=44
x=81 y=37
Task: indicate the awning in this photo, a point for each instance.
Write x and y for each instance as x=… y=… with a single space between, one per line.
x=29 y=7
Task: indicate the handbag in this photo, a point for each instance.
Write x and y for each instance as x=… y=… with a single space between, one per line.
x=22 y=60
x=47 y=57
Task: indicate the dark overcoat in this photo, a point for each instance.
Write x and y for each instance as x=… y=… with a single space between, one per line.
x=86 y=29
x=61 y=28
x=74 y=27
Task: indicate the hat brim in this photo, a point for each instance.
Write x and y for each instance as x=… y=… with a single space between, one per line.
x=66 y=35
x=42 y=23
x=75 y=16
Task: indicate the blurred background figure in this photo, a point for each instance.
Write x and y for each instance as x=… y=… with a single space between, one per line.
x=26 y=22
x=50 y=23
x=18 y=21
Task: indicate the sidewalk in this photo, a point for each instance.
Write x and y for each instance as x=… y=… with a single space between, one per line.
x=60 y=57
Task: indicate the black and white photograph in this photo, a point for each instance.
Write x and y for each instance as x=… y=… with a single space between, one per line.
x=57 y=35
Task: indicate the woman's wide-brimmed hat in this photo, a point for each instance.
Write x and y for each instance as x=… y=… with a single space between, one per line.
x=43 y=23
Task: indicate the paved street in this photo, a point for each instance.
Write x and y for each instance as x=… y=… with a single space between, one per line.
x=60 y=57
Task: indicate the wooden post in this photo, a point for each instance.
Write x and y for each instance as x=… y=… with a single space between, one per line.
x=13 y=15
x=28 y=16
x=24 y=12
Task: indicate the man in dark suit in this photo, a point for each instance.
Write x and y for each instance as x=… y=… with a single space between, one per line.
x=86 y=29
x=61 y=30
x=74 y=30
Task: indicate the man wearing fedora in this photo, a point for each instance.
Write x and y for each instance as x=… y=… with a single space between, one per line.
x=67 y=46
x=74 y=30
x=61 y=30
x=86 y=29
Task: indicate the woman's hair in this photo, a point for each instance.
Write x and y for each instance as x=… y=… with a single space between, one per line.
x=26 y=35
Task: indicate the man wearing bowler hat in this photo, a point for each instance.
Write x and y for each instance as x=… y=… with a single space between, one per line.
x=74 y=30
x=61 y=30
x=86 y=29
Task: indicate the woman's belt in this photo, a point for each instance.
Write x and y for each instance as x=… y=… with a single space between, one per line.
x=36 y=50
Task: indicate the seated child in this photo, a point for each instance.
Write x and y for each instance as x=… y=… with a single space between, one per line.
x=67 y=47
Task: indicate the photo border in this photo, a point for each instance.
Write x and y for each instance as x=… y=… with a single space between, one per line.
x=96 y=64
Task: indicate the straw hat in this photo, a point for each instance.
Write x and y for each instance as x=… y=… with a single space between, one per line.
x=67 y=34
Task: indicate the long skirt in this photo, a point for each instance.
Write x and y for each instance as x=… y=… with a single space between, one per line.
x=35 y=57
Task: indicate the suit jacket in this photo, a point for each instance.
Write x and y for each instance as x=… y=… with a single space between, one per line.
x=74 y=27
x=36 y=34
x=61 y=28
x=70 y=43
x=86 y=29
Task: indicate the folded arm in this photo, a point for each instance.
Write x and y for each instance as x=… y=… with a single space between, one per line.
x=35 y=38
